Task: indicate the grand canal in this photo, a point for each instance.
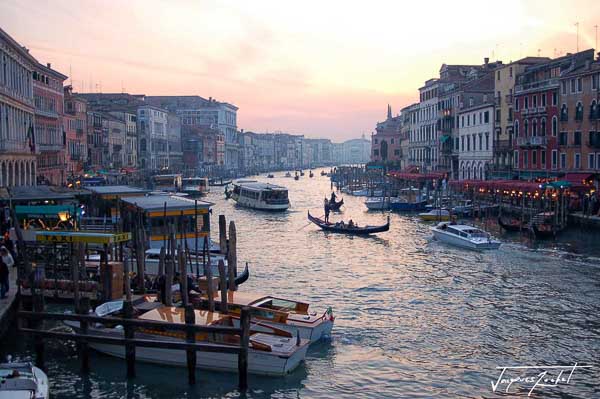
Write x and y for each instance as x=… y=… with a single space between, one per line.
x=414 y=318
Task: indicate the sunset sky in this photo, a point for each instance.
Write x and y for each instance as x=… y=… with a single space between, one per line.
x=319 y=68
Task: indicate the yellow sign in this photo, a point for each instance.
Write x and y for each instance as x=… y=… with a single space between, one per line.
x=76 y=236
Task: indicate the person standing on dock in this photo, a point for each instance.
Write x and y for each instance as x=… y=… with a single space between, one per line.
x=5 y=262
x=326 y=209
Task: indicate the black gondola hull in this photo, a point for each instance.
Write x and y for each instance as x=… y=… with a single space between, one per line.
x=330 y=227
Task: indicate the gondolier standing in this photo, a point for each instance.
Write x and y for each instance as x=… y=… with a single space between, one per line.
x=333 y=197
x=326 y=209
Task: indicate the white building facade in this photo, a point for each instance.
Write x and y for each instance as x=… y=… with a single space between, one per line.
x=476 y=141
x=423 y=144
x=152 y=138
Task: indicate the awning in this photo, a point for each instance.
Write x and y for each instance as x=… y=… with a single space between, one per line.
x=44 y=211
x=579 y=178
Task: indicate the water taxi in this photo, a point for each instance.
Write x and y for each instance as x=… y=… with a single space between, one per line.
x=285 y=314
x=272 y=351
x=195 y=186
x=23 y=381
x=464 y=236
x=435 y=215
x=171 y=183
x=262 y=196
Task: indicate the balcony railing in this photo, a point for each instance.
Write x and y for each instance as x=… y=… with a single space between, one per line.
x=47 y=114
x=543 y=84
x=533 y=111
x=50 y=147
x=503 y=145
x=534 y=141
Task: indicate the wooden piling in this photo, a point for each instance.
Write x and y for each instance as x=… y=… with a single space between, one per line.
x=223 y=285
x=208 y=275
x=190 y=320
x=222 y=234
x=129 y=334
x=183 y=288
x=244 y=343
x=232 y=256
x=83 y=347
x=38 y=306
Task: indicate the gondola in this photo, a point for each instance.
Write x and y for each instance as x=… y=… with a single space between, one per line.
x=335 y=206
x=311 y=174
x=333 y=228
x=546 y=232
x=511 y=226
x=323 y=173
x=240 y=278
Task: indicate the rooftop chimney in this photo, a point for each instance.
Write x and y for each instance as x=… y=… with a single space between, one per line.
x=486 y=60
x=49 y=65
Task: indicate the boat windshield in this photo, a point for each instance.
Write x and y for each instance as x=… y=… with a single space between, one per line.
x=275 y=196
x=476 y=233
x=283 y=305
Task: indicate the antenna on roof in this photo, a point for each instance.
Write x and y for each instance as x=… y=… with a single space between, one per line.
x=596 y=46
x=539 y=52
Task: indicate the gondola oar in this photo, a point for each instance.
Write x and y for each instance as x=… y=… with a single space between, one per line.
x=308 y=224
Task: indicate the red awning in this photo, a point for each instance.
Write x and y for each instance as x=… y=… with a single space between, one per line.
x=417 y=176
x=578 y=178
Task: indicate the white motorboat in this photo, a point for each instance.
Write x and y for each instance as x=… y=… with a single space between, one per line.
x=464 y=236
x=20 y=380
x=263 y=196
x=195 y=186
x=285 y=314
x=272 y=352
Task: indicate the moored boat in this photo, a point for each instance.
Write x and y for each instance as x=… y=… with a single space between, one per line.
x=408 y=206
x=440 y=215
x=288 y=174
x=511 y=224
x=195 y=186
x=262 y=196
x=270 y=176
x=285 y=314
x=311 y=174
x=271 y=352
x=22 y=380
x=335 y=206
x=464 y=236
x=353 y=229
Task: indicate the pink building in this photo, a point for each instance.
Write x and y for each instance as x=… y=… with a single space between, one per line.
x=48 y=97
x=75 y=127
x=386 y=143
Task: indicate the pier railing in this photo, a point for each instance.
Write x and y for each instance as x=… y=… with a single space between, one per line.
x=130 y=325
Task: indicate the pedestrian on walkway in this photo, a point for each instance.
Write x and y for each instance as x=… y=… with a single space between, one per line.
x=4 y=287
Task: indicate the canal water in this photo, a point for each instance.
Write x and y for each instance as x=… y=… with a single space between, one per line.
x=414 y=318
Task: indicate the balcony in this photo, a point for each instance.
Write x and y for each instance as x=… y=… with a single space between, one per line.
x=537 y=86
x=47 y=114
x=534 y=111
x=503 y=145
x=532 y=142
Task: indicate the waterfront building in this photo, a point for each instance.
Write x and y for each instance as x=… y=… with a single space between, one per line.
x=203 y=148
x=354 y=151
x=321 y=152
x=539 y=103
x=409 y=125
x=174 y=151
x=424 y=144
x=75 y=126
x=97 y=140
x=476 y=138
x=117 y=137
x=198 y=111
x=579 y=125
x=130 y=148
x=385 y=143
x=504 y=83
x=48 y=98
x=18 y=163
x=153 y=139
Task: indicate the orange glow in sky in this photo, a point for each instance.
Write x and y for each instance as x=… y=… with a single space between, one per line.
x=319 y=68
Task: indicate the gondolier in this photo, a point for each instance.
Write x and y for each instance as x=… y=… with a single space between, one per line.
x=326 y=209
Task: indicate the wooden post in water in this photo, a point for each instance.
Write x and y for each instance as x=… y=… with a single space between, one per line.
x=38 y=306
x=244 y=343
x=232 y=256
x=190 y=320
x=83 y=348
x=222 y=234
x=74 y=276
x=183 y=288
x=223 y=285
x=126 y=276
x=169 y=281
x=208 y=274
x=129 y=334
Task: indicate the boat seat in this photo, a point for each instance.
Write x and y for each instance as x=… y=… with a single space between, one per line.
x=18 y=384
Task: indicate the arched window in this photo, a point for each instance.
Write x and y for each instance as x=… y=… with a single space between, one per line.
x=594 y=110
x=579 y=112
x=543 y=127
x=554 y=126
x=534 y=128
x=517 y=128
x=526 y=127
x=564 y=113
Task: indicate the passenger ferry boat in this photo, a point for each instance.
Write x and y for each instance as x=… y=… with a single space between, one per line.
x=464 y=236
x=284 y=314
x=170 y=183
x=195 y=186
x=263 y=196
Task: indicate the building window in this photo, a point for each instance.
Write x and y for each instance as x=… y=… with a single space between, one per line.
x=516 y=158
x=487 y=142
x=564 y=113
x=563 y=138
x=462 y=143
x=526 y=128
x=376 y=152
x=563 y=160
x=543 y=127
x=526 y=104
x=510 y=72
x=498 y=74
x=525 y=159
x=594 y=110
x=516 y=104
x=554 y=126
x=486 y=117
x=534 y=128
x=577 y=163
x=554 y=98
x=554 y=159
x=543 y=159
x=573 y=86
x=591 y=161
x=533 y=158
x=579 y=112
x=579 y=85
x=563 y=87
x=577 y=138
x=534 y=101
